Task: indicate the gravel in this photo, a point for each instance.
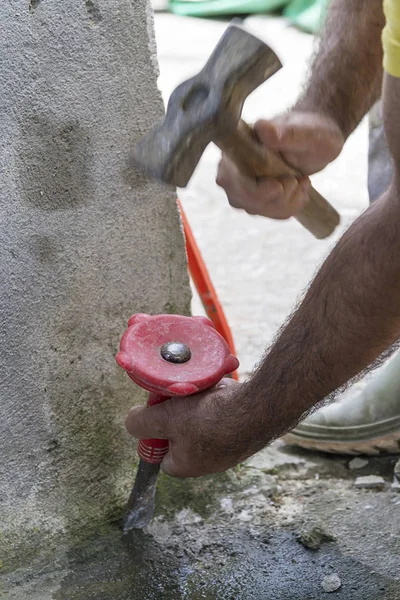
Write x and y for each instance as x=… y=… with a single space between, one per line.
x=395 y=487
x=370 y=482
x=312 y=536
x=331 y=583
x=357 y=463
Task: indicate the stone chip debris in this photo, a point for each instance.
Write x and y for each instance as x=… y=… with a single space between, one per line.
x=370 y=482
x=331 y=583
x=357 y=463
x=395 y=487
x=312 y=536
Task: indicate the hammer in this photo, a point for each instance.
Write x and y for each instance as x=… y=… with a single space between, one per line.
x=207 y=108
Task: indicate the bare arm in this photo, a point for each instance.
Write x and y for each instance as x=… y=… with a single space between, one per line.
x=346 y=73
x=351 y=313
x=349 y=316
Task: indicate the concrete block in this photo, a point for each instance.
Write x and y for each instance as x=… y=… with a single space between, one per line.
x=85 y=243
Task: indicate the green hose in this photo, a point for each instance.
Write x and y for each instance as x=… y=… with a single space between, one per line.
x=308 y=15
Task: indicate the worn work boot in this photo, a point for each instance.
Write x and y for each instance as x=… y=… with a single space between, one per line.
x=365 y=420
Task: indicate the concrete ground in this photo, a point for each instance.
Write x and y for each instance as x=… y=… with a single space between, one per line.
x=278 y=526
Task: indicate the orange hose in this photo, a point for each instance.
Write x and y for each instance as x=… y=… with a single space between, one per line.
x=204 y=286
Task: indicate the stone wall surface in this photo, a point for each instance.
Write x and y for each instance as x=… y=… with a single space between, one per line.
x=85 y=243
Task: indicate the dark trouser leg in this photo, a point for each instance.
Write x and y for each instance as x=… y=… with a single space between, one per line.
x=379 y=160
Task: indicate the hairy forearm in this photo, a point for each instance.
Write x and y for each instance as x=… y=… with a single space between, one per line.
x=349 y=317
x=346 y=73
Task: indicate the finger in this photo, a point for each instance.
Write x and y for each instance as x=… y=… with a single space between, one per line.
x=255 y=202
x=286 y=136
x=231 y=179
x=308 y=141
x=227 y=170
x=169 y=467
x=305 y=184
x=145 y=422
x=181 y=468
x=273 y=198
x=273 y=203
x=291 y=199
x=296 y=132
x=268 y=133
x=276 y=199
x=241 y=191
x=295 y=196
x=253 y=198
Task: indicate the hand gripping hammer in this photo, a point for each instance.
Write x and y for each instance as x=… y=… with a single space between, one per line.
x=207 y=108
x=168 y=355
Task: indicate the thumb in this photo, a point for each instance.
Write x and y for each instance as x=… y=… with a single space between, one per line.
x=268 y=133
x=175 y=466
x=295 y=131
x=169 y=467
x=287 y=133
x=145 y=422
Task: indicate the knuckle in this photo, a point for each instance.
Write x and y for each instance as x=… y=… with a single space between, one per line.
x=220 y=179
x=132 y=421
x=290 y=187
x=289 y=180
x=252 y=211
x=298 y=203
x=295 y=158
x=224 y=174
x=173 y=470
x=235 y=203
x=270 y=190
x=273 y=202
x=289 y=133
x=181 y=464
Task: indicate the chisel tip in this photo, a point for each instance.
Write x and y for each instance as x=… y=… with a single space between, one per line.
x=140 y=508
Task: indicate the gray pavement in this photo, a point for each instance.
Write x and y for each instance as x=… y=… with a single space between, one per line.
x=272 y=529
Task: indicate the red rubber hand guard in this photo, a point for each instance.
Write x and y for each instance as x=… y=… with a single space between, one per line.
x=172 y=355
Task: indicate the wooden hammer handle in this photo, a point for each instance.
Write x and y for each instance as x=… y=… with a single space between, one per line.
x=254 y=160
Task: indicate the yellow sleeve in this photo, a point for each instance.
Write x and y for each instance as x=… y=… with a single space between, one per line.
x=391 y=38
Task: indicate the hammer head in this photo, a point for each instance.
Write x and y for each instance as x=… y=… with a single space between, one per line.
x=205 y=107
